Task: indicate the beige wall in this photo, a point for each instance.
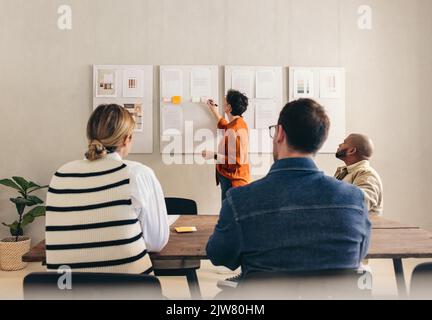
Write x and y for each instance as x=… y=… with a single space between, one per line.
x=46 y=82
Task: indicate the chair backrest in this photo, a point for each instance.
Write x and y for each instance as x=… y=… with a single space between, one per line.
x=179 y=206
x=421 y=282
x=91 y=286
x=316 y=285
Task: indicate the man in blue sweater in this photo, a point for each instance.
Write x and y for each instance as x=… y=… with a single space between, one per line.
x=296 y=218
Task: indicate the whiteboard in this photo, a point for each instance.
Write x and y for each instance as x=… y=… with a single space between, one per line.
x=259 y=139
x=334 y=103
x=139 y=99
x=199 y=126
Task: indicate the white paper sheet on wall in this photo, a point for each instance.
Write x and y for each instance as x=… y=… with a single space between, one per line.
x=330 y=84
x=172 y=83
x=136 y=111
x=330 y=93
x=265 y=112
x=108 y=78
x=130 y=86
x=133 y=86
x=265 y=84
x=200 y=83
x=249 y=115
x=172 y=120
x=303 y=84
x=106 y=85
x=243 y=81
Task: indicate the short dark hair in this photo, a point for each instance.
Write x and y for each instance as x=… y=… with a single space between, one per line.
x=306 y=125
x=238 y=102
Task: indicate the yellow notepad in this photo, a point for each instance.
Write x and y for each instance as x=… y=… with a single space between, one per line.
x=185 y=229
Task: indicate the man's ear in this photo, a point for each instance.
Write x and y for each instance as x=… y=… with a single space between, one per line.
x=281 y=135
x=352 y=151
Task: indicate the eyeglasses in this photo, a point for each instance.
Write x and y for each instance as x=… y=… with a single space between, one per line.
x=272 y=130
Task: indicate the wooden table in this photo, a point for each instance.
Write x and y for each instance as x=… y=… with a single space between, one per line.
x=180 y=246
x=390 y=240
x=383 y=223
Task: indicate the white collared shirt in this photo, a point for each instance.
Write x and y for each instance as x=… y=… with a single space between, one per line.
x=148 y=202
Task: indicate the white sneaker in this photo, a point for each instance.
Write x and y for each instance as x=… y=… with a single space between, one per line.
x=230 y=282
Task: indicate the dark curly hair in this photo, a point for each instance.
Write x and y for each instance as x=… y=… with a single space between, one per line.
x=238 y=102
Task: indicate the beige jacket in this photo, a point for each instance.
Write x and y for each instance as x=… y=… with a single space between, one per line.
x=362 y=175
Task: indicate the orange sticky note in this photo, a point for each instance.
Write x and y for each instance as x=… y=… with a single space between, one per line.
x=176 y=100
x=185 y=229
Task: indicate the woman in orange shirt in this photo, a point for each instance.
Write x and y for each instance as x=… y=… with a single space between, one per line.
x=232 y=157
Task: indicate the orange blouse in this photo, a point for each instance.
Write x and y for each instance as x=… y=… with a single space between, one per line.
x=235 y=148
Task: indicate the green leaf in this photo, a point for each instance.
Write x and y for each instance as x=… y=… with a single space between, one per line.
x=29 y=201
x=33 y=214
x=36 y=200
x=20 y=208
x=9 y=183
x=37 y=211
x=23 y=183
x=28 y=218
x=32 y=185
x=22 y=201
x=17 y=232
x=13 y=228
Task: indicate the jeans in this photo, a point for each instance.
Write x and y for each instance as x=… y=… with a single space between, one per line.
x=225 y=184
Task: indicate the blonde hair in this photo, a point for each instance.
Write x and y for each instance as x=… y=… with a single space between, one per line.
x=108 y=127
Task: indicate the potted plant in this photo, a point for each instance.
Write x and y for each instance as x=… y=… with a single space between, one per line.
x=13 y=248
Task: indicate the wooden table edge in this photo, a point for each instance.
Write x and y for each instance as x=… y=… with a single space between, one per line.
x=33 y=255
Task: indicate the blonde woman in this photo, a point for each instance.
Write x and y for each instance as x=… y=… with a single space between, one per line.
x=104 y=214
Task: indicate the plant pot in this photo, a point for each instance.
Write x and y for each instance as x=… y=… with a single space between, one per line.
x=11 y=253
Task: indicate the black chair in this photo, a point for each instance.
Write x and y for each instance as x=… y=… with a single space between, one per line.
x=91 y=286
x=421 y=282
x=179 y=206
x=176 y=268
x=314 y=285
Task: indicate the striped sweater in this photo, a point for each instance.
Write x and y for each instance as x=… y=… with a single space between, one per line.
x=90 y=223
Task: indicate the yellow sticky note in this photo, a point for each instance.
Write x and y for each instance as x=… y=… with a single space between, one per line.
x=185 y=229
x=176 y=100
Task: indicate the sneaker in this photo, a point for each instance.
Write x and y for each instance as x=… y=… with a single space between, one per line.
x=230 y=282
